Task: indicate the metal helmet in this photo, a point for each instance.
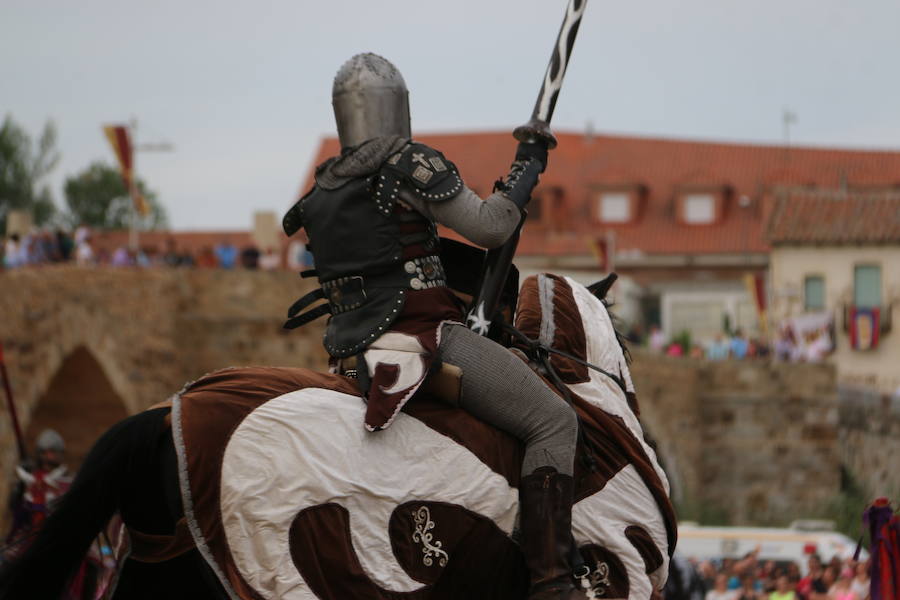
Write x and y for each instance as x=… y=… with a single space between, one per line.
x=370 y=100
x=49 y=439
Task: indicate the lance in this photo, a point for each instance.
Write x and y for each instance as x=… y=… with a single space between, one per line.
x=535 y=131
x=20 y=441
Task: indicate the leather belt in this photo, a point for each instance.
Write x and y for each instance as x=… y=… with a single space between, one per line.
x=348 y=293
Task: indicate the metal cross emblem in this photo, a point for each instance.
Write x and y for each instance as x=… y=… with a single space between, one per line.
x=419 y=157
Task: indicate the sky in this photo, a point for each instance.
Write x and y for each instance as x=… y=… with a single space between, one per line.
x=242 y=89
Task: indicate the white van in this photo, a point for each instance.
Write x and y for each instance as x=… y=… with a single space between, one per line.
x=793 y=544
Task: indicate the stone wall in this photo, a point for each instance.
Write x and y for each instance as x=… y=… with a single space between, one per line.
x=744 y=442
x=151 y=331
x=870 y=440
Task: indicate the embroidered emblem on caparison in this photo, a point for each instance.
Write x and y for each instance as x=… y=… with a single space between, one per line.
x=596 y=582
x=437 y=164
x=430 y=550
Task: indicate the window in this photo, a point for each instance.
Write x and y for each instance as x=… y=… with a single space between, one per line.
x=867 y=286
x=698 y=209
x=615 y=207
x=814 y=293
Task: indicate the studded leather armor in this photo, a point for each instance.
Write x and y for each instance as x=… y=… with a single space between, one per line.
x=370 y=250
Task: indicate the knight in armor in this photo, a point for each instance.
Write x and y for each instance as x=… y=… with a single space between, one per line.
x=371 y=222
x=41 y=481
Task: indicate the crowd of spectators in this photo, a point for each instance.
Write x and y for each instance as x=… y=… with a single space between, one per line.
x=752 y=579
x=723 y=346
x=80 y=247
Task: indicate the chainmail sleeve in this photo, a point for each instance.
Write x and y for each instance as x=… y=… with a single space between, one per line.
x=486 y=222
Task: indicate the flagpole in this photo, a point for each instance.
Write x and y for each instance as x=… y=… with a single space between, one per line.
x=132 y=191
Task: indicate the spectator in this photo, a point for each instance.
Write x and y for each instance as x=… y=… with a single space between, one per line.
x=861 y=583
x=841 y=590
x=84 y=251
x=12 y=257
x=82 y=233
x=783 y=589
x=206 y=258
x=822 y=585
x=720 y=590
x=298 y=255
x=813 y=573
x=748 y=590
x=718 y=348
x=65 y=244
x=657 y=339
x=143 y=258
x=269 y=261
x=121 y=257
x=171 y=258
x=250 y=257
x=738 y=345
x=674 y=349
x=761 y=348
x=226 y=254
x=784 y=345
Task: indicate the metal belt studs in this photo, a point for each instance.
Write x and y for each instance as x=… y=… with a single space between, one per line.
x=428 y=272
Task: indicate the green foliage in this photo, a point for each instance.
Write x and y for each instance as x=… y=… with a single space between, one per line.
x=846 y=508
x=726 y=325
x=97 y=197
x=22 y=167
x=683 y=339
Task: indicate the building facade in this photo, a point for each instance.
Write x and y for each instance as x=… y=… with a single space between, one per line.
x=837 y=254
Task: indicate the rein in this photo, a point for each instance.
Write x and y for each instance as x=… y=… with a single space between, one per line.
x=542 y=351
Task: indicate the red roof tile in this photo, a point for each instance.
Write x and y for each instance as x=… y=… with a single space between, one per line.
x=662 y=167
x=806 y=217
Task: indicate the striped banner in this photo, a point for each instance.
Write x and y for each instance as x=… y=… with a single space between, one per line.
x=121 y=144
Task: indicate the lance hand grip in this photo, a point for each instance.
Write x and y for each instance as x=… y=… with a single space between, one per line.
x=535 y=131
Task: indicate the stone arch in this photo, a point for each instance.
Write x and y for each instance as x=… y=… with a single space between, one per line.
x=80 y=403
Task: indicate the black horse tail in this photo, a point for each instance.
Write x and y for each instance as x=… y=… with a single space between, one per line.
x=126 y=451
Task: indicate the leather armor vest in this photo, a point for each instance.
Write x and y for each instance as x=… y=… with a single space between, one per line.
x=370 y=250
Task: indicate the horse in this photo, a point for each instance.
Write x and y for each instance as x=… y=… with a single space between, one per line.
x=261 y=483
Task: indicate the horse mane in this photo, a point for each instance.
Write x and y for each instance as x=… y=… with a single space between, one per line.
x=621 y=338
x=599 y=290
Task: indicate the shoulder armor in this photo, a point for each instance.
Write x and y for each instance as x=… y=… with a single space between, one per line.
x=430 y=175
x=293 y=219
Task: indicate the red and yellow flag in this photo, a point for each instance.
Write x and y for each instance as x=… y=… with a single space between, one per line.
x=121 y=144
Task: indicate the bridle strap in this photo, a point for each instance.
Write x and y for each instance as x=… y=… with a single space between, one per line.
x=537 y=347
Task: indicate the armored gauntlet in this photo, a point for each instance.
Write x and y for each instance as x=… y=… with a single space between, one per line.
x=531 y=159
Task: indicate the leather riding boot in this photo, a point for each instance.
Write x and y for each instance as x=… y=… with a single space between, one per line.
x=545 y=504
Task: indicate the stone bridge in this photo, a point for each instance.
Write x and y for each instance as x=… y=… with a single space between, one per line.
x=743 y=442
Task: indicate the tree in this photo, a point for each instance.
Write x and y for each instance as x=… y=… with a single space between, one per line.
x=98 y=198
x=22 y=167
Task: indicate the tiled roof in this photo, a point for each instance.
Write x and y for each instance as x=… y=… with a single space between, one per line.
x=745 y=173
x=807 y=217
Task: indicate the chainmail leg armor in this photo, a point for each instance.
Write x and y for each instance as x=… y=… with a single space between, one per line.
x=500 y=389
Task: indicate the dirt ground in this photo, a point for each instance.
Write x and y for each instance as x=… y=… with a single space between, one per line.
x=80 y=404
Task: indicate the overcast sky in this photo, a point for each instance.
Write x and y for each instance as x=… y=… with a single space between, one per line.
x=243 y=89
